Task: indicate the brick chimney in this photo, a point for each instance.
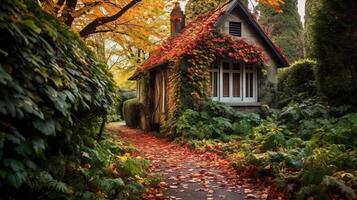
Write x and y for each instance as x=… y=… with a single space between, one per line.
x=177 y=20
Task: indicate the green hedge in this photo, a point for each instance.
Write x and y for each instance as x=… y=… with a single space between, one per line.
x=53 y=91
x=297 y=82
x=335 y=47
x=131 y=112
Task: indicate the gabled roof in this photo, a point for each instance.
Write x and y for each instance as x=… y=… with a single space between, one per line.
x=177 y=47
x=245 y=13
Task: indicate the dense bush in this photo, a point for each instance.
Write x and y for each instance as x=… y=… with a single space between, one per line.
x=297 y=82
x=116 y=113
x=335 y=49
x=213 y=120
x=52 y=92
x=307 y=148
x=123 y=95
x=131 y=112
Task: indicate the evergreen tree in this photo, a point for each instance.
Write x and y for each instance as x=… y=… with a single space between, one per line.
x=198 y=7
x=285 y=27
x=310 y=13
x=334 y=41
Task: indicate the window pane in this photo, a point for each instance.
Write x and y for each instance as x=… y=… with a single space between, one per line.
x=225 y=84
x=249 y=85
x=215 y=86
x=249 y=67
x=214 y=65
x=226 y=65
x=236 y=84
x=236 y=66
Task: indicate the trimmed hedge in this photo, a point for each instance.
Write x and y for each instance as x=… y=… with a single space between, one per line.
x=131 y=112
x=123 y=95
x=335 y=48
x=297 y=82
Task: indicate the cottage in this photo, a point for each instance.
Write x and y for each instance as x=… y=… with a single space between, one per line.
x=223 y=55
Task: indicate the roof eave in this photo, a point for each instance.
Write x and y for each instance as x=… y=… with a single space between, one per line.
x=282 y=61
x=139 y=74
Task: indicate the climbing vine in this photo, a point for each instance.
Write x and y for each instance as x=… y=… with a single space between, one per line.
x=190 y=73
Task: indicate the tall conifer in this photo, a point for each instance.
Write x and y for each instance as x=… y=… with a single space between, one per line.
x=285 y=28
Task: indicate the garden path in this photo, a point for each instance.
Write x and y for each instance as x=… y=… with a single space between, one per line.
x=187 y=175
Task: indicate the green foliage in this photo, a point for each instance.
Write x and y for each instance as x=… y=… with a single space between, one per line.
x=213 y=120
x=123 y=95
x=195 y=8
x=190 y=75
x=131 y=112
x=101 y=171
x=311 y=6
x=335 y=48
x=53 y=92
x=307 y=148
x=297 y=82
x=285 y=28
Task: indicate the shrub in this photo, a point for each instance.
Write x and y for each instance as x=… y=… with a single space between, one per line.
x=214 y=120
x=53 y=91
x=131 y=112
x=123 y=96
x=297 y=82
x=305 y=148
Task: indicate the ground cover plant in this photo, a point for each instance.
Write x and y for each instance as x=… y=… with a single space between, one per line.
x=53 y=95
x=308 y=149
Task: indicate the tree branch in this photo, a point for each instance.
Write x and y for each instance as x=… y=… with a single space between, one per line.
x=92 y=26
x=67 y=12
x=58 y=6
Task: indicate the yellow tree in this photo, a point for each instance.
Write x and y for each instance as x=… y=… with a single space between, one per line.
x=122 y=32
x=273 y=3
x=131 y=28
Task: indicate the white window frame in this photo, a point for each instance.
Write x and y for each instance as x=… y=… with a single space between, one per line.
x=255 y=84
x=242 y=98
x=230 y=71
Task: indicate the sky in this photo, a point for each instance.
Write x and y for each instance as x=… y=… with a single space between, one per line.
x=301 y=7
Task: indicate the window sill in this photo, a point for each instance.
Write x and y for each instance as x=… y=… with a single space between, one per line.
x=242 y=104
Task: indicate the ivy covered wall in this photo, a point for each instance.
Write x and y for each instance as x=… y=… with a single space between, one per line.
x=188 y=77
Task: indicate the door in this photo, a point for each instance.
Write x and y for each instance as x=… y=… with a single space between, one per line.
x=159 y=96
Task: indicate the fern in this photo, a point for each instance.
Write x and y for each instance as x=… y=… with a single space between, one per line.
x=43 y=181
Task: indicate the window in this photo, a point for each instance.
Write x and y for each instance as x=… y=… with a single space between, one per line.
x=233 y=82
x=235 y=29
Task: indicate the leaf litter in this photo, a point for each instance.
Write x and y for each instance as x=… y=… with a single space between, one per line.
x=188 y=174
